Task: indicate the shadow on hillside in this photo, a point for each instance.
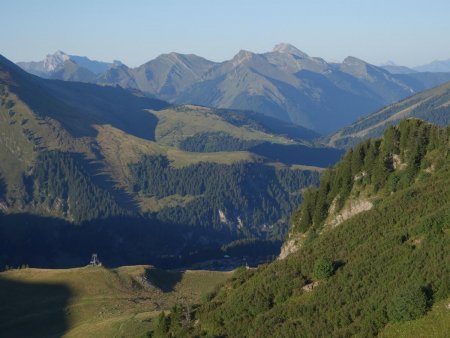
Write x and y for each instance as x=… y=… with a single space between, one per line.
x=298 y=154
x=163 y=279
x=267 y=123
x=2 y=188
x=79 y=106
x=333 y=110
x=121 y=108
x=55 y=243
x=33 y=309
x=48 y=242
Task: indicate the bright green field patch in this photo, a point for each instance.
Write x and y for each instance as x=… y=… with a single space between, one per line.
x=176 y=125
x=435 y=324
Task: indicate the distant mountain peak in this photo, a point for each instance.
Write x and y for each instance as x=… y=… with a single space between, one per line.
x=183 y=58
x=178 y=57
x=59 y=53
x=242 y=56
x=172 y=56
x=118 y=65
x=351 y=60
x=289 y=49
x=357 y=68
x=394 y=68
x=437 y=66
x=55 y=61
x=388 y=63
x=63 y=66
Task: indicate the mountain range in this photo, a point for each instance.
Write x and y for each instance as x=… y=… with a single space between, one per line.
x=80 y=153
x=437 y=66
x=284 y=83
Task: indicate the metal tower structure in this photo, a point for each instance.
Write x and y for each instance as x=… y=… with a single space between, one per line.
x=94 y=260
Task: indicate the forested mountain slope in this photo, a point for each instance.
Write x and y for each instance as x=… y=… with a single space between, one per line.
x=378 y=270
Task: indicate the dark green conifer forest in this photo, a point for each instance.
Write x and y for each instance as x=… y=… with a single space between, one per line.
x=389 y=264
x=255 y=193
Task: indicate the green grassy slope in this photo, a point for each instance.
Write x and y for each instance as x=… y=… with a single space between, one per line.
x=389 y=271
x=435 y=324
x=94 y=301
x=177 y=124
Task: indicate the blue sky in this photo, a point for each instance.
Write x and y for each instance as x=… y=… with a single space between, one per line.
x=409 y=32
